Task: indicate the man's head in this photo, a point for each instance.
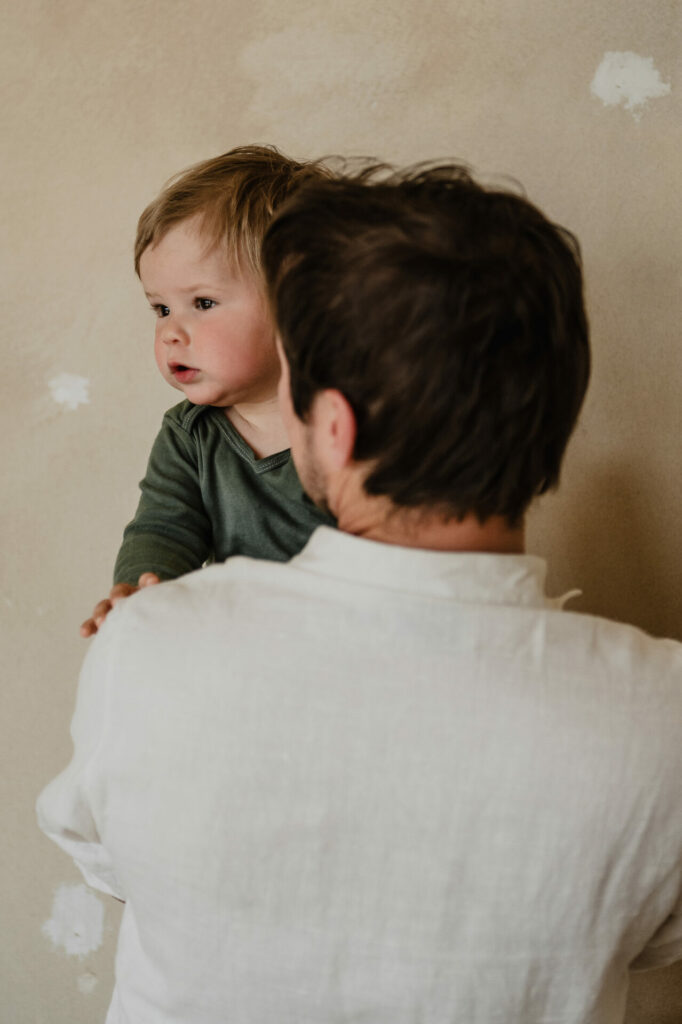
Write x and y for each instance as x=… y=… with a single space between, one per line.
x=450 y=318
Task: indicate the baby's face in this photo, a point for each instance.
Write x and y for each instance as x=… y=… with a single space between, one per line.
x=214 y=340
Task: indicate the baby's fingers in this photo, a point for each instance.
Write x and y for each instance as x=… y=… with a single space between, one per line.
x=117 y=594
x=147 y=579
x=99 y=614
x=102 y=608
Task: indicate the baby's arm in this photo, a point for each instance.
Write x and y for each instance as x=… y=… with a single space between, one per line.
x=171 y=532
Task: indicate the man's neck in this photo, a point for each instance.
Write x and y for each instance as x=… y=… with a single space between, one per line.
x=377 y=518
x=433 y=533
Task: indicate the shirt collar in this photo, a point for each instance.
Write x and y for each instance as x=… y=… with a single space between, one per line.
x=470 y=576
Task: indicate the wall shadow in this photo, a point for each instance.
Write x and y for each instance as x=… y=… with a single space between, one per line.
x=605 y=533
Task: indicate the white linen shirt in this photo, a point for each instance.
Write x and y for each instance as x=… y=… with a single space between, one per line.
x=375 y=785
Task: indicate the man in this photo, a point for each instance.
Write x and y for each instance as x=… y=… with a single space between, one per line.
x=390 y=781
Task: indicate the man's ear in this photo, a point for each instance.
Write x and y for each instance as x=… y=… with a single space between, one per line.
x=335 y=428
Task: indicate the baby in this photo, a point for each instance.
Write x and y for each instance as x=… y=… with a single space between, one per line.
x=220 y=480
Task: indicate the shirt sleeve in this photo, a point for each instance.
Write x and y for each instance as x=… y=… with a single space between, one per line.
x=171 y=533
x=67 y=810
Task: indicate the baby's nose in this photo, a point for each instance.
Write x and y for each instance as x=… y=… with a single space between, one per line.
x=172 y=332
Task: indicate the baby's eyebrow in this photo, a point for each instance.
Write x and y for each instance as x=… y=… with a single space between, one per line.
x=202 y=287
x=189 y=289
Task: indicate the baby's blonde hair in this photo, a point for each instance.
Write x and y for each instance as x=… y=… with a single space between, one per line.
x=234 y=195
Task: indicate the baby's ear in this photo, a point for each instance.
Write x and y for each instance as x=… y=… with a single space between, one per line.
x=333 y=421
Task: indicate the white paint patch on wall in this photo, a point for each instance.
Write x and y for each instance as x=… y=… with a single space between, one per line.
x=87 y=983
x=70 y=390
x=628 y=79
x=77 y=921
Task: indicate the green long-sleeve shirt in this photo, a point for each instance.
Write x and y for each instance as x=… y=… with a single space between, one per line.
x=206 y=496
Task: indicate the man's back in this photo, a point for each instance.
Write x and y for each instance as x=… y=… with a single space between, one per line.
x=377 y=784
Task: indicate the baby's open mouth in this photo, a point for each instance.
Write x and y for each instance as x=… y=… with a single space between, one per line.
x=183 y=373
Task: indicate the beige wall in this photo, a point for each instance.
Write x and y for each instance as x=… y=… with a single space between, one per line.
x=102 y=101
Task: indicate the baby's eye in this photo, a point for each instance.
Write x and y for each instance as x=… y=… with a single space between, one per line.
x=204 y=303
x=161 y=310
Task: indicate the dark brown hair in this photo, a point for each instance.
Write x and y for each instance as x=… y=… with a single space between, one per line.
x=451 y=317
x=234 y=194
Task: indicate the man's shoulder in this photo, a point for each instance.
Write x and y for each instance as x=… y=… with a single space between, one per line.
x=615 y=664
x=198 y=592
x=620 y=642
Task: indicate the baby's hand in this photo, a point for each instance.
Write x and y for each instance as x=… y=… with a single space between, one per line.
x=116 y=594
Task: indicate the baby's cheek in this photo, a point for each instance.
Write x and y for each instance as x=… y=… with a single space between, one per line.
x=160 y=356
